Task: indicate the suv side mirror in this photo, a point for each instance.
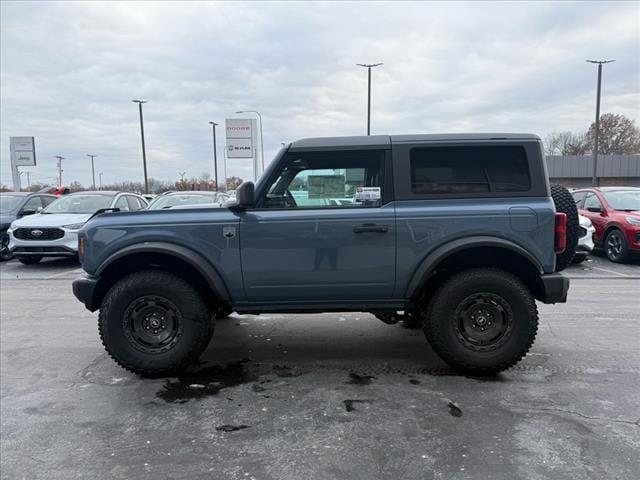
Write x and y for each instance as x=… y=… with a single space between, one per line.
x=595 y=209
x=24 y=213
x=245 y=196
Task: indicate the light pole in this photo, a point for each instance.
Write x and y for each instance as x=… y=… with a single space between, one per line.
x=594 y=175
x=100 y=176
x=369 y=66
x=93 y=171
x=215 y=154
x=60 y=158
x=261 y=139
x=144 y=152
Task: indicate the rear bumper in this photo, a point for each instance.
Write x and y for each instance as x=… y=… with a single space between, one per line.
x=84 y=290
x=554 y=288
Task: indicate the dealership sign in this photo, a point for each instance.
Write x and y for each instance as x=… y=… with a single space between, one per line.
x=23 y=151
x=240 y=134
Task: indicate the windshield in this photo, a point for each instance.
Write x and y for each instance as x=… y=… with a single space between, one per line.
x=9 y=203
x=79 y=204
x=168 y=201
x=628 y=200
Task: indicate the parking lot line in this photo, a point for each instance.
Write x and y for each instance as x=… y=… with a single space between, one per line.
x=611 y=271
x=62 y=274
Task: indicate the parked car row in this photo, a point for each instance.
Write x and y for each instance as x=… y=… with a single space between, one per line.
x=37 y=225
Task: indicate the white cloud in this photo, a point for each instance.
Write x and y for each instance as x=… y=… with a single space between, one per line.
x=70 y=69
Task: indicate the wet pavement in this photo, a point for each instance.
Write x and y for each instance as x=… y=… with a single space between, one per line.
x=326 y=396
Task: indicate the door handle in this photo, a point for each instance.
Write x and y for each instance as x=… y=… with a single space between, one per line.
x=370 y=228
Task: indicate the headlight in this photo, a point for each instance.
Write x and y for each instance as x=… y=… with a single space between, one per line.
x=74 y=226
x=11 y=229
x=633 y=221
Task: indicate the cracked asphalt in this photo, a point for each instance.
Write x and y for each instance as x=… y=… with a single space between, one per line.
x=327 y=396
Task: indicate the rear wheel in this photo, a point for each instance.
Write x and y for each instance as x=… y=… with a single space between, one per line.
x=615 y=246
x=30 y=260
x=481 y=321
x=154 y=323
x=565 y=203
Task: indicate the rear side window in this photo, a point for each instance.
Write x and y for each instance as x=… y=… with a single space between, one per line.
x=469 y=170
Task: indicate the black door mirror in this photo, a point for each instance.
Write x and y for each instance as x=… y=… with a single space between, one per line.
x=595 y=209
x=24 y=213
x=245 y=197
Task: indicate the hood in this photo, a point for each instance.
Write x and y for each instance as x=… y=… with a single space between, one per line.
x=51 y=219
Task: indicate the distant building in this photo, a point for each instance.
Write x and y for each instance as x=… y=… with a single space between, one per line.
x=575 y=170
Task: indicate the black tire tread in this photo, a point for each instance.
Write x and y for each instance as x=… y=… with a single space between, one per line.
x=565 y=203
x=181 y=288
x=455 y=282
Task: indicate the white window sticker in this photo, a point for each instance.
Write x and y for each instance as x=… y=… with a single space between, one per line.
x=367 y=194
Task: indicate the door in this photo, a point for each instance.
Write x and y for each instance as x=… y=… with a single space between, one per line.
x=594 y=211
x=323 y=230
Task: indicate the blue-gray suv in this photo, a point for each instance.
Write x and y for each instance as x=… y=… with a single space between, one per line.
x=458 y=234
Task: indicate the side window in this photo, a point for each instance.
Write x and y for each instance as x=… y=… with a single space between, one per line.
x=122 y=204
x=133 y=202
x=578 y=197
x=34 y=204
x=469 y=170
x=328 y=180
x=47 y=200
x=592 y=201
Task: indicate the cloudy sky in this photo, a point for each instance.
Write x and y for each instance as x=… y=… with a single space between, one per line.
x=70 y=69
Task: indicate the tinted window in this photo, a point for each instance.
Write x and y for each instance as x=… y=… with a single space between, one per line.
x=592 y=201
x=473 y=169
x=134 y=204
x=578 y=197
x=122 y=203
x=34 y=204
x=47 y=200
x=328 y=180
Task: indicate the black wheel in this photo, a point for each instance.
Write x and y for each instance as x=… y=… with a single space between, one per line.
x=481 y=321
x=615 y=246
x=223 y=312
x=30 y=260
x=579 y=257
x=412 y=320
x=5 y=254
x=565 y=203
x=154 y=323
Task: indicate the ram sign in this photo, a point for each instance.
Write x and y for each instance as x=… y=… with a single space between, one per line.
x=240 y=138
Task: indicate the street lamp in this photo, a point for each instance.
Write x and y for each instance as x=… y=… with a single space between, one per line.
x=93 y=172
x=261 y=139
x=144 y=152
x=369 y=66
x=215 y=154
x=100 y=175
x=594 y=174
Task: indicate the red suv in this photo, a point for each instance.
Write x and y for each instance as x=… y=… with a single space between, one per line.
x=615 y=214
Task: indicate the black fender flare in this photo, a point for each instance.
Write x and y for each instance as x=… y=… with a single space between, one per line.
x=431 y=261
x=195 y=260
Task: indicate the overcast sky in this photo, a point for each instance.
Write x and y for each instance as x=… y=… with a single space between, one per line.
x=70 y=70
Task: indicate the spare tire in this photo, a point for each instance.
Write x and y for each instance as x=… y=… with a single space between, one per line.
x=566 y=204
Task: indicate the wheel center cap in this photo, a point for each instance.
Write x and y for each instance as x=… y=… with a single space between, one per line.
x=481 y=320
x=155 y=323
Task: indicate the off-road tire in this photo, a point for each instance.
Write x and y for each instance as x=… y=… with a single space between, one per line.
x=565 y=203
x=30 y=260
x=190 y=313
x=412 y=320
x=619 y=253
x=442 y=324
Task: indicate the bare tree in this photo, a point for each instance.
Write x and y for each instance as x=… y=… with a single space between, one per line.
x=618 y=135
x=566 y=143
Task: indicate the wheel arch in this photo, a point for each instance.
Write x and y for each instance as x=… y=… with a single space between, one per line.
x=182 y=261
x=472 y=252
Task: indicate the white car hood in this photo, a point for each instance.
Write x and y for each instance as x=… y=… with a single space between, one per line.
x=51 y=220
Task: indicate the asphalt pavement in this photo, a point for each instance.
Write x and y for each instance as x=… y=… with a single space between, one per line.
x=326 y=396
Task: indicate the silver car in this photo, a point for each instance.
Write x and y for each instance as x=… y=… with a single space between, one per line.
x=54 y=231
x=188 y=199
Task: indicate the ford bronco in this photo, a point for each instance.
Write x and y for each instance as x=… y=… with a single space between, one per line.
x=459 y=232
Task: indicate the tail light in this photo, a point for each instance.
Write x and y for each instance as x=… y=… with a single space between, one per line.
x=560 y=238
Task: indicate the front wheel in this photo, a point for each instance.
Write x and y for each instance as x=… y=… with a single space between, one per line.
x=154 y=323
x=615 y=247
x=481 y=321
x=5 y=253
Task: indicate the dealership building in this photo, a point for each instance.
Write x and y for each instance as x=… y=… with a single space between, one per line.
x=574 y=171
